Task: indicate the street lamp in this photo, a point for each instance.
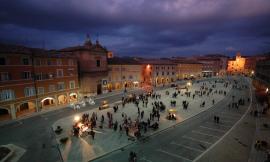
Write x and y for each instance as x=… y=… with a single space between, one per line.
x=267 y=90
x=252 y=72
x=76 y=118
x=188 y=83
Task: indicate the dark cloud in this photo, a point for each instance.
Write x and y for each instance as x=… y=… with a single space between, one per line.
x=152 y=27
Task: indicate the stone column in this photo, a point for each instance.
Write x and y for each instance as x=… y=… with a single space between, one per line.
x=13 y=111
x=56 y=100
x=68 y=99
x=37 y=105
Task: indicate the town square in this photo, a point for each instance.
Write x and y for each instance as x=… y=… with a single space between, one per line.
x=135 y=81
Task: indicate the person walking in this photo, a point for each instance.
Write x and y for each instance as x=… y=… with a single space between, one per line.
x=158 y=116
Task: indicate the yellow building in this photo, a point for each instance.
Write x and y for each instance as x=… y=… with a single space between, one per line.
x=189 y=70
x=237 y=65
x=124 y=73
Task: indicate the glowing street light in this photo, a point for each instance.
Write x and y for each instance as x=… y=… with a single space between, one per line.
x=76 y=118
x=188 y=83
x=148 y=66
x=252 y=72
x=267 y=90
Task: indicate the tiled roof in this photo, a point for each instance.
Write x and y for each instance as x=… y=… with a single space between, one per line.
x=37 y=52
x=123 y=61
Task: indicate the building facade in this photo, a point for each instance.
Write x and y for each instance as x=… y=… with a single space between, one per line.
x=124 y=74
x=34 y=79
x=212 y=64
x=261 y=81
x=159 y=72
x=237 y=65
x=189 y=70
x=93 y=68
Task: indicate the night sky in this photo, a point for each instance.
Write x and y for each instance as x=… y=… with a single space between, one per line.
x=150 y=28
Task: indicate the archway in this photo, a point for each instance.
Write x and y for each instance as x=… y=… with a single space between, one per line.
x=117 y=86
x=73 y=97
x=109 y=87
x=25 y=108
x=62 y=99
x=4 y=114
x=48 y=101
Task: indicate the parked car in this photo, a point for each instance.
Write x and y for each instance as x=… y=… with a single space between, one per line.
x=104 y=105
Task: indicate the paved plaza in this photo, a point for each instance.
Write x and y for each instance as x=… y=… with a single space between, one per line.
x=107 y=140
x=197 y=139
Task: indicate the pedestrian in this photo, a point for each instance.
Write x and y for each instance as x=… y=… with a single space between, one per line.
x=217 y=119
x=92 y=134
x=158 y=116
x=142 y=113
x=127 y=130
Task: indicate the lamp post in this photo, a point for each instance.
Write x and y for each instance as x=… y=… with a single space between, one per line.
x=189 y=84
x=76 y=118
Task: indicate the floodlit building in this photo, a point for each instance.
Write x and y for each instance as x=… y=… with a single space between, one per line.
x=35 y=79
x=237 y=65
x=124 y=73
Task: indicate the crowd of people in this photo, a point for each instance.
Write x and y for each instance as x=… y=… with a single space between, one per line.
x=136 y=126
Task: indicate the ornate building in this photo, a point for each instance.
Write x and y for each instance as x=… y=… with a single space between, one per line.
x=237 y=65
x=93 y=68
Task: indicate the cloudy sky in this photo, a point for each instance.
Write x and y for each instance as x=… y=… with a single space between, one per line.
x=140 y=27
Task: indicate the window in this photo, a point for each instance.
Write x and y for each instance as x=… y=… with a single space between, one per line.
x=51 y=88
x=157 y=73
x=168 y=73
x=71 y=72
x=38 y=76
x=123 y=77
x=130 y=77
x=2 y=61
x=6 y=95
x=26 y=75
x=60 y=86
x=59 y=62
x=59 y=73
x=50 y=76
x=70 y=62
x=71 y=84
x=40 y=90
x=162 y=72
x=38 y=62
x=25 y=61
x=98 y=63
x=5 y=76
x=49 y=62
x=172 y=73
x=29 y=91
